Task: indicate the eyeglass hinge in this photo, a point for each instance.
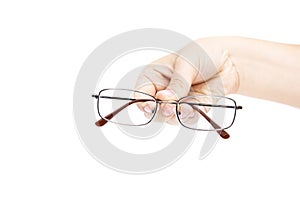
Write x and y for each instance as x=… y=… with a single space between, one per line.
x=95 y=96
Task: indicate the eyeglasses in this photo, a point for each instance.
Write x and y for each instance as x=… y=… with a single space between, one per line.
x=198 y=112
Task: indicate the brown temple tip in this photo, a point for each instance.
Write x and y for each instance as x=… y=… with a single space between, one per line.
x=100 y=122
x=224 y=134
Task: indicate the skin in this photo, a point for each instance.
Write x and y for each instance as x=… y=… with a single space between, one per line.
x=250 y=67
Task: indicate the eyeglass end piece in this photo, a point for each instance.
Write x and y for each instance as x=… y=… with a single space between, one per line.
x=95 y=96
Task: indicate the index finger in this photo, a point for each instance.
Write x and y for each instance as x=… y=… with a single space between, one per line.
x=156 y=75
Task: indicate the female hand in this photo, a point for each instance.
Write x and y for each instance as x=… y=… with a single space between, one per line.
x=202 y=67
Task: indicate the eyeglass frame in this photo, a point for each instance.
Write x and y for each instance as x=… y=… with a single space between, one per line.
x=219 y=130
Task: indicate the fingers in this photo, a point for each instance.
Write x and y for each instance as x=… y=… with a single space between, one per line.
x=179 y=86
x=185 y=70
x=167 y=111
x=188 y=115
x=171 y=78
x=182 y=78
x=214 y=86
x=156 y=76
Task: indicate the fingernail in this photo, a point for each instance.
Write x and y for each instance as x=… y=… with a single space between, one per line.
x=147 y=109
x=167 y=111
x=191 y=115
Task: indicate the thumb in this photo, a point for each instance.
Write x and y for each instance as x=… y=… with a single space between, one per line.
x=179 y=85
x=181 y=80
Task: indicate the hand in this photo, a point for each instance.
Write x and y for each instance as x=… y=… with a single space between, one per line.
x=202 y=67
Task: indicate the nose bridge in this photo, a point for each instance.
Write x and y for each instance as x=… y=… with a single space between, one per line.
x=166 y=101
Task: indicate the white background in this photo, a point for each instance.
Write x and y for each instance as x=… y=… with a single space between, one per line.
x=42 y=47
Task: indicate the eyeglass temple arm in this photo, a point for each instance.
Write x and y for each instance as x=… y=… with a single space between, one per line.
x=103 y=121
x=221 y=132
